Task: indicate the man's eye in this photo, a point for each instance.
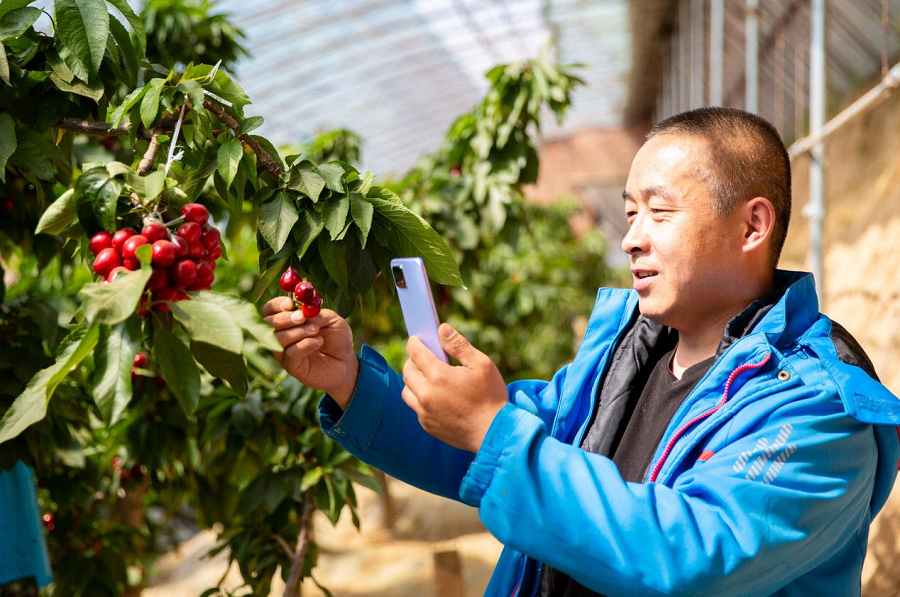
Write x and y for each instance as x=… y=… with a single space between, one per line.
x=630 y=214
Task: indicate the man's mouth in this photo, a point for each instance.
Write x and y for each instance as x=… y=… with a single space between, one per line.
x=641 y=274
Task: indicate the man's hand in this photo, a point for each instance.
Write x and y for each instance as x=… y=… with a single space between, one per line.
x=317 y=351
x=454 y=404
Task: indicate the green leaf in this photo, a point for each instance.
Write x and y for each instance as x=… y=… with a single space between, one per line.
x=177 y=367
x=251 y=123
x=11 y=5
x=276 y=219
x=243 y=314
x=114 y=359
x=15 y=22
x=147 y=187
x=127 y=104
x=271 y=265
x=208 y=323
x=58 y=67
x=334 y=257
x=194 y=92
x=31 y=405
x=123 y=41
x=229 y=157
x=366 y=183
x=333 y=173
x=82 y=27
x=309 y=226
x=334 y=213
x=222 y=364
x=150 y=103
x=59 y=215
x=411 y=236
x=94 y=91
x=115 y=302
x=306 y=179
x=4 y=66
x=7 y=142
x=362 y=212
x=97 y=190
x=311 y=477
x=137 y=24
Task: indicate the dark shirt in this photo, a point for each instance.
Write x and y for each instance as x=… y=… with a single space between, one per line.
x=638 y=437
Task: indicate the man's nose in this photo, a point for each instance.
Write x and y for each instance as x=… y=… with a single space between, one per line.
x=636 y=239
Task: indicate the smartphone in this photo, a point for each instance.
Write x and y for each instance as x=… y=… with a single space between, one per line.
x=417 y=304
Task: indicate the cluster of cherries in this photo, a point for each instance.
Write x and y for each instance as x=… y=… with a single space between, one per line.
x=182 y=261
x=304 y=292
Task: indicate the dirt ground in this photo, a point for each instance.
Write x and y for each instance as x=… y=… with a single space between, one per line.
x=371 y=562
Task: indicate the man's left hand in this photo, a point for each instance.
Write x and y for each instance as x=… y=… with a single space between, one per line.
x=454 y=404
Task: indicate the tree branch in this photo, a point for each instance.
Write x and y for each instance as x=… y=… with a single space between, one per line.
x=292 y=587
x=267 y=160
x=149 y=155
x=104 y=129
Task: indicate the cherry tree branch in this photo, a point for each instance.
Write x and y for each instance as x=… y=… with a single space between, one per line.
x=228 y=120
x=292 y=588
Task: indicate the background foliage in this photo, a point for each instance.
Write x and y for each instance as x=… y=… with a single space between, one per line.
x=87 y=115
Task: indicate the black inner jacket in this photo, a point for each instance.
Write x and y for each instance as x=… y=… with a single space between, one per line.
x=633 y=360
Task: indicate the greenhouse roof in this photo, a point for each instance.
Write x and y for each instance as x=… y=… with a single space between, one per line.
x=399 y=72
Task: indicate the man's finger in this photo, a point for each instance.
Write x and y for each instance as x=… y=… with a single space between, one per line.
x=413 y=377
x=300 y=350
x=411 y=401
x=458 y=347
x=423 y=357
x=285 y=319
x=276 y=305
x=296 y=334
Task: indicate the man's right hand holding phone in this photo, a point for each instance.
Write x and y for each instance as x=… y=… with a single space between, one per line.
x=317 y=351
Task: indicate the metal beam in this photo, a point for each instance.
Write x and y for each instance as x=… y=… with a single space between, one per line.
x=716 y=50
x=751 y=57
x=815 y=209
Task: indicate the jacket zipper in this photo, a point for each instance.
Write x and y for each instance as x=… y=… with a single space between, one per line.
x=683 y=429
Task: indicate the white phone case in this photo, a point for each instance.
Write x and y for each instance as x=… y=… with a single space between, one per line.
x=419 y=312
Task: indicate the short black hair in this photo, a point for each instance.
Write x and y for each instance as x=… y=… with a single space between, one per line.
x=746 y=158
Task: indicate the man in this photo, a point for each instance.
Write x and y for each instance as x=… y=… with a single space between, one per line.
x=714 y=435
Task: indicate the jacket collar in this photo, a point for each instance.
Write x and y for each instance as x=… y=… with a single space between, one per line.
x=788 y=311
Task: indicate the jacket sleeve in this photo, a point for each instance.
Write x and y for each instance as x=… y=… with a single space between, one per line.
x=719 y=530
x=379 y=429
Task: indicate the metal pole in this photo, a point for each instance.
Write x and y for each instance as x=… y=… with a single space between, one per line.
x=751 y=57
x=676 y=79
x=684 y=53
x=716 y=50
x=697 y=33
x=815 y=209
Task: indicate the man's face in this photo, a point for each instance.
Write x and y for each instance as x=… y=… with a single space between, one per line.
x=685 y=260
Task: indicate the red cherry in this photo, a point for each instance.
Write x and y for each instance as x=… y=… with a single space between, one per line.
x=310 y=309
x=120 y=237
x=211 y=238
x=205 y=275
x=105 y=261
x=210 y=262
x=117 y=461
x=289 y=279
x=181 y=246
x=47 y=518
x=141 y=360
x=155 y=231
x=167 y=294
x=142 y=307
x=132 y=244
x=196 y=251
x=131 y=263
x=304 y=291
x=101 y=240
x=50 y=527
x=163 y=253
x=194 y=212
x=216 y=252
x=190 y=231
x=184 y=273
x=115 y=272
x=159 y=279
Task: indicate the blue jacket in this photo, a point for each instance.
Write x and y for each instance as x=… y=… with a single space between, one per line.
x=765 y=482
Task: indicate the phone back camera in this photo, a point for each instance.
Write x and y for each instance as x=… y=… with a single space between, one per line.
x=399 y=279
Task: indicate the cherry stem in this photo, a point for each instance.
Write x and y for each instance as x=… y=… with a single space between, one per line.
x=177 y=220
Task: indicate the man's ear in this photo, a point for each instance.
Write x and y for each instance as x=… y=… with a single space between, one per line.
x=759 y=222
